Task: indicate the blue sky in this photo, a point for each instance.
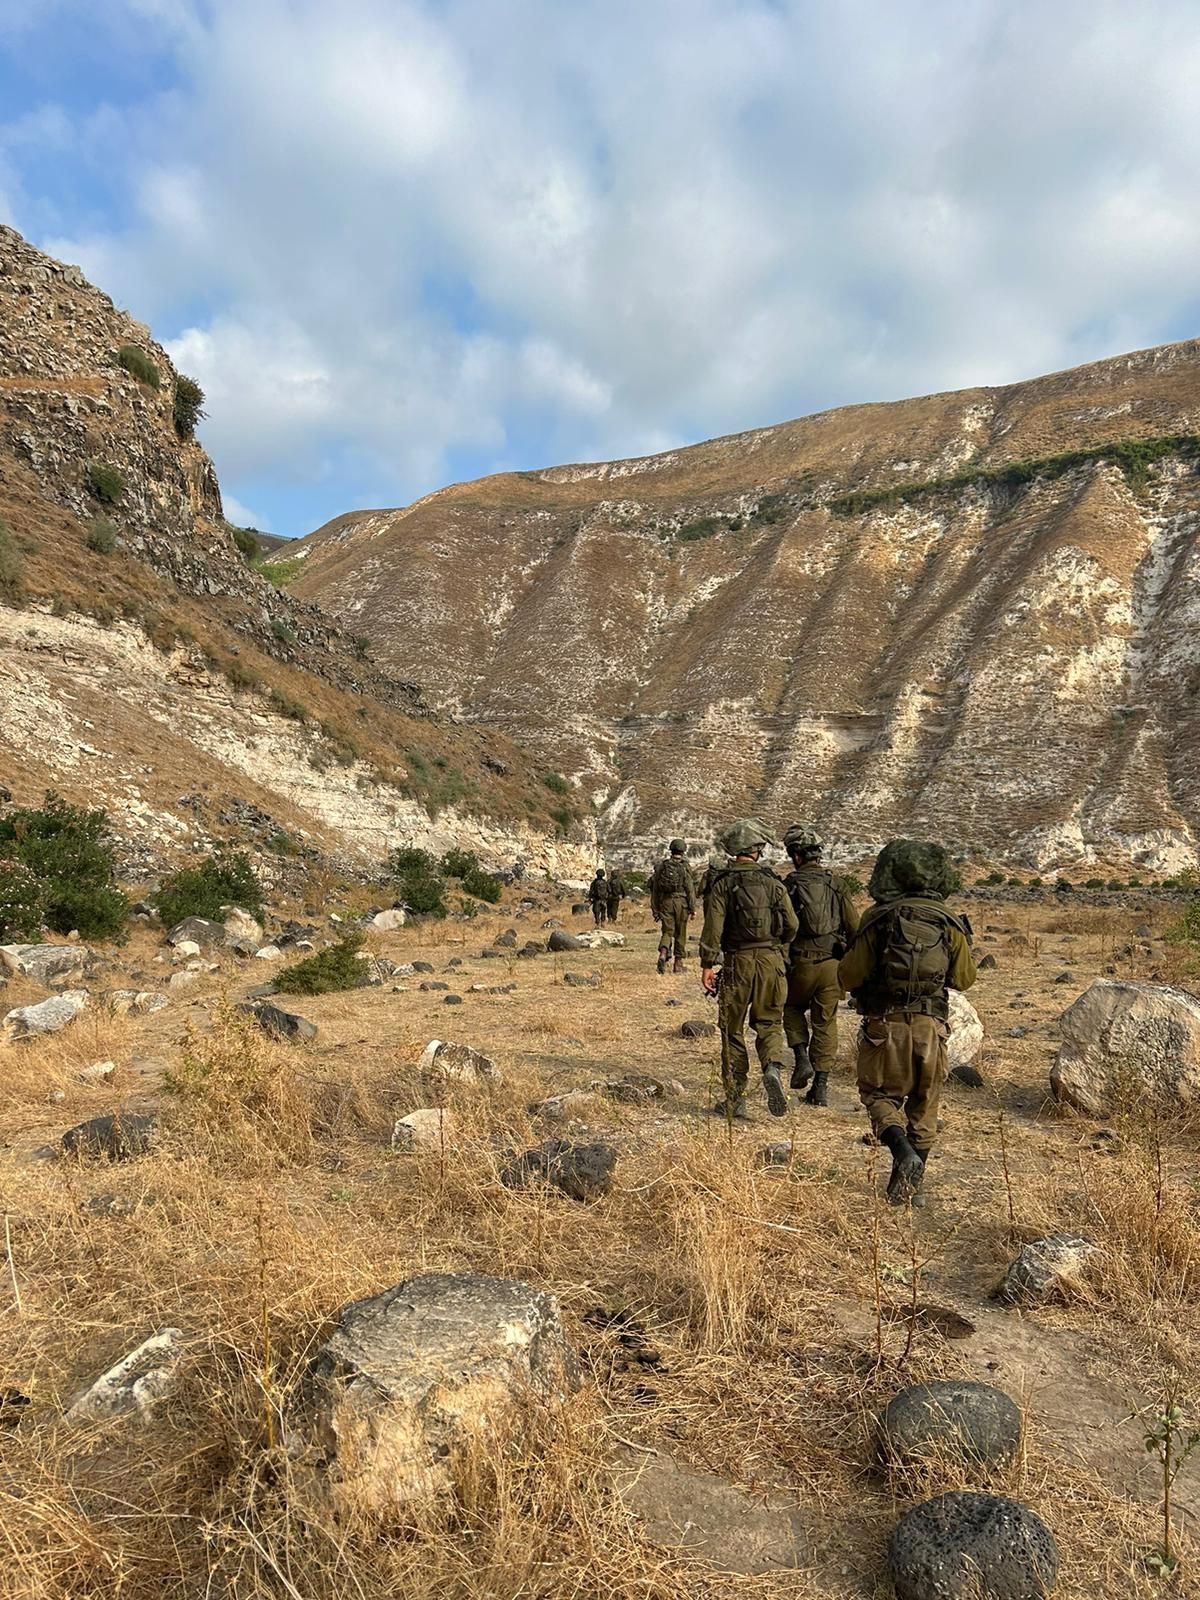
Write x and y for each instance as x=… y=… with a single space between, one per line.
x=404 y=243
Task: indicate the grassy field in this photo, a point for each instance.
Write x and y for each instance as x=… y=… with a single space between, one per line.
x=728 y=1448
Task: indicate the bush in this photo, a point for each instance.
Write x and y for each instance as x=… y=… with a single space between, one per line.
x=419 y=884
x=245 y=540
x=992 y=881
x=189 y=406
x=66 y=848
x=1094 y=883
x=280 y=573
x=483 y=885
x=283 y=631
x=12 y=569
x=1115 y=884
x=1187 y=929
x=22 y=904
x=563 y=816
x=140 y=364
x=556 y=783
x=700 y=528
x=853 y=885
x=327 y=972
x=101 y=537
x=224 y=879
x=284 y=706
x=458 y=863
x=105 y=482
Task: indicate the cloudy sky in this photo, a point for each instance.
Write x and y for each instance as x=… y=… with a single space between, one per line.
x=402 y=242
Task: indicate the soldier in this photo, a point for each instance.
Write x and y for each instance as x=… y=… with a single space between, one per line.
x=908 y=951
x=716 y=864
x=672 y=904
x=750 y=920
x=598 y=896
x=616 y=893
x=828 y=923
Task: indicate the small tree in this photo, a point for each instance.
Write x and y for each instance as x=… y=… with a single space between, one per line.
x=188 y=406
x=245 y=540
x=22 y=903
x=458 y=863
x=105 y=482
x=101 y=537
x=66 y=848
x=226 y=878
x=419 y=884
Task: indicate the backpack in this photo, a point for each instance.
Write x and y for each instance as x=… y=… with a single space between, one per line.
x=616 y=887
x=752 y=912
x=672 y=876
x=818 y=909
x=913 y=958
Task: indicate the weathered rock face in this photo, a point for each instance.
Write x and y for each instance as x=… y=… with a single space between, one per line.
x=41 y=962
x=1009 y=667
x=1048 y=1271
x=413 y=1379
x=1128 y=1040
x=137 y=1382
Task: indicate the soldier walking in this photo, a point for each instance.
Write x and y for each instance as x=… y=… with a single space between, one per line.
x=672 y=904
x=909 y=951
x=750 y=922
x=598 y=896
x=828 y=923
x=616 y=893
x=716 y=865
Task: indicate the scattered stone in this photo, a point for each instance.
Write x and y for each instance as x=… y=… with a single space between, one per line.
x=1065 y=977
x=453 y=1000
x=552 y=922
x=181 y=980
x=431 y=1128
x=107 y=1205
x=388 y=921
x=200 y=931
x=280 y=1024
x=966 y=1032
x=986 y=963
x=405 y=969
x=41 y=962
x=573 y=1105
x=1143 y=932
x=1048 y=1270
x=1019 y=1032
x=97 y=1072
x=134 y=1002
x=560 y=941
x=632 y=1087
x=674 y=1002
x=269 y=952
x=118 y=1138
x=506 y=940
x=581 y=980
x=489 y=953
x=966 y=1546
x=969 y=1077
x=492 y=988
x=594 y=939
x=240 y=927
x=422 y=966
x=47 y=1016
x=1128 y=1038
x=697 y=1028
x=441 y=1059
x=433 y=985
x=136 y=1384
x=454 y=961
x=778 y=1154
x=414 y=1380
x=951 y=1418
x=582 y=1171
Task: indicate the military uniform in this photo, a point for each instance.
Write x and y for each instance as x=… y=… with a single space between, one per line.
x=909 y=951
x=828 y=922
x=598 y=897
x=672 y=904
x=750 y=922
x=716 y=865
x=616 y=893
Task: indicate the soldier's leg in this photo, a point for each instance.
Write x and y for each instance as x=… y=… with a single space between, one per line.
x=795 y=1020
x=929 y=1073
x=736 y=984
x=885 y=1080
x=664 y=940
x=680 y=932
x=768 y=996
x=824 y=1000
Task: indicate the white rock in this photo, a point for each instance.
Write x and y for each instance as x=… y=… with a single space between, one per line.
x=389 y=921
x=431 y=1128
x=181 y=980
x=187 y=950
x=48 y=1016
x=269 y=952
x=1127 y=1039
x=966 y=1032
x=98 y=1071
x=137 y=1382
x=240 y=926
x=591 y=939
x=41 y=962
x=134 y=1002
x=441 y=1059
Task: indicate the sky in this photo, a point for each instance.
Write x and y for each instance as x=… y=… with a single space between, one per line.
x=402 y=243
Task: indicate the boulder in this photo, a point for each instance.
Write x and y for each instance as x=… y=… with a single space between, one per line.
x=388 y=921
x=240 y=926
x=1123 y=1040
x=697 y=1028
x=581 y=980
x=134 y=1002
x=422 y=966
x=459 y=1062
x=415 y=1381
x=562 y=941
x=506 y=940
x=582 y=1171
x=117 y=1138
x=431 y=1128
x=97 y=1071
x=986 y=963
x=593 y=940
x=269 y=952
x=950 y=1419
x=435 y=985
x=969 y=1077
x=965 y=1546
x=136 y=1384
x=199 y=930
x=452 y=1000
x=186 y=950
x=966 y=1032
x=279 y=1023
x=777 y=1154
x=41 y=962
x=47 y=1016
x=1048 y=1270
x=181 y=980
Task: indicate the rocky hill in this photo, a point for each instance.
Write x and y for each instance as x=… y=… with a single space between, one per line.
x=974 y=614
x=145 y=662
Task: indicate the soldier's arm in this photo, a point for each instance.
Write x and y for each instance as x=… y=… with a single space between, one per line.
x=714 y=925
x=791 y=922
x=963 y=972
x=653 y=887
x=850 y=917
x=857 y=965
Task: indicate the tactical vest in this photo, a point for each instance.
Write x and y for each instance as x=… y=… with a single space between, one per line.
x=912 y=960
x=672 y=877
x=753 y=917
x=616 y=888
x=818 y=910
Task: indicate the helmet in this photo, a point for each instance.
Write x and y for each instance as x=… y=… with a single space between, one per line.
x=677 y=847
x=599 y=872
x=799 y=838
x=745 y=834
x=912 y=866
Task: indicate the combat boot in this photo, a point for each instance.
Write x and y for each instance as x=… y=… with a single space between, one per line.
x=818 y=1095
x=678 y=968
x=740 y=1111
x=773 y=1084
x=662 y=963
x=908 y=1169
x=802 y=1071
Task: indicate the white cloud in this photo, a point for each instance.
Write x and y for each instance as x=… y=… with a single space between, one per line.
x=242 y=516
x=426 y=230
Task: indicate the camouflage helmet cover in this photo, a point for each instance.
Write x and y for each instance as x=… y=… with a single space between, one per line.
x=911 y=866
x=677 y=847
x=747 y=833
x=799 y=838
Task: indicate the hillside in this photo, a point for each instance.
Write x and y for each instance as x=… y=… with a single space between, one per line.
x=145 y=664
x=960 y=615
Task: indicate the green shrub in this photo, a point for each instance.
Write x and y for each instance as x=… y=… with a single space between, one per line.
x=483 y=885
x=1187 y=929
x=12 y=569
x=853 y=885
x=1114 y=884
x=66 y=848
x=245 y=541
x=240 y=675
x=283 y=705
x=1035 y=883
x=556 y=783
x=105 y=482
x=101 y=537
x=459 y=863
x=1014 y=883
x=283 y=631
x=1094 y=883
x=992 y=880
x=140 y=364
x=224 y=879
x=188 y=406
x=1063 y=885
x=280 y=573
x=362 y=646
x=563 y=816
x=22 y=903
x=327 y=972
x=700 y=528
x=1135 y=883
x=280 y=843
x=771 y=508
x=419 y=883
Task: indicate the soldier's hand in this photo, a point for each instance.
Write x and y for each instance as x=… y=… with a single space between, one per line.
x=708 y=978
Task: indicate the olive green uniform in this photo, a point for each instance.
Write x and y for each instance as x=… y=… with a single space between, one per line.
x=673 y=904
x=814 y=991
x=598 y=896
x=753 y=977
x=616 y=893
x=902 y=1050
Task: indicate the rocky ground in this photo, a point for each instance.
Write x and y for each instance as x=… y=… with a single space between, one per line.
x=739 y=1327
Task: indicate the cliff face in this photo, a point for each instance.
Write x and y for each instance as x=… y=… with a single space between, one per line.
x=1006 y=659
x=144 y=665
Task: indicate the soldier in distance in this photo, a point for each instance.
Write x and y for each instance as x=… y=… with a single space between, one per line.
x=616 y=893
x=750 y=922
x=598 y=896
x=909 y=951
x=672 y=904
x=828 y=923
x=716 y=864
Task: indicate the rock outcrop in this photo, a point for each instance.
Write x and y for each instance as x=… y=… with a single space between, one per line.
x=1128 y=1041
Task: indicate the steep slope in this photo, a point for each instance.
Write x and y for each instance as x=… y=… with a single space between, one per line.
x=883 y=618
x=145 y=665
